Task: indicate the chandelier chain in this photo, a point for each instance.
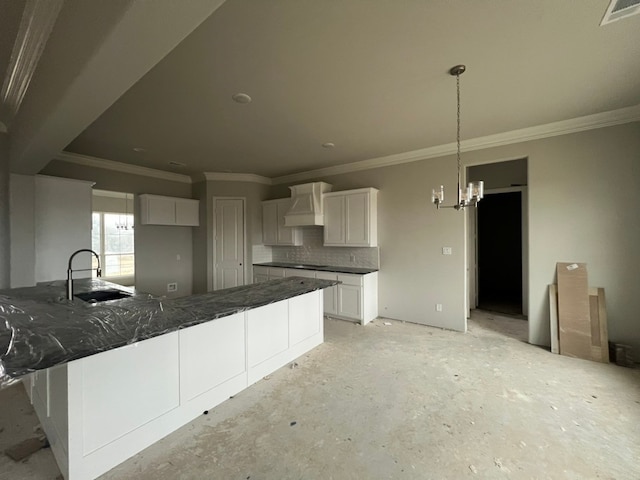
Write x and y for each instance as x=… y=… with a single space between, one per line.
x=458 y=126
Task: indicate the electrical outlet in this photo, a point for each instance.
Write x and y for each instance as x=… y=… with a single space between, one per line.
x=352 y=257
x=438 y=307
x=446 y=250
x=172 y=287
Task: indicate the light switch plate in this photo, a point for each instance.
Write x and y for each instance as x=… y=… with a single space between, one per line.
x=447 y=250
x=172 y=287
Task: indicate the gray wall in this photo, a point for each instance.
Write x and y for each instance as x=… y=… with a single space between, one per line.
x=253 y=193
x=23 y=232
x=500 y=174
x=583 y=200
x=5 y=235
x=157 y=247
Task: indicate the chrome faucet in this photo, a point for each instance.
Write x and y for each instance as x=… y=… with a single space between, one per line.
x=70 y=271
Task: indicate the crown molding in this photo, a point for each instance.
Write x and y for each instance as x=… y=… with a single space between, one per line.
x=95 y=162
x=564 y=127
x=38 y=18
x=237 y=177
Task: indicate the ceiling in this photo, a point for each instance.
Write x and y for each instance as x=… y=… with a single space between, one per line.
x=369 y=76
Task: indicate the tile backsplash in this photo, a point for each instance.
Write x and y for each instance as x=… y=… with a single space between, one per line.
x=313 y=252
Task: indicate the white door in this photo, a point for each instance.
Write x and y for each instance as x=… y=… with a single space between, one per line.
x=228 y=259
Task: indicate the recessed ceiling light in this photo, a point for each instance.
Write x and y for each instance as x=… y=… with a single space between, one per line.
x=139 y=149
x=241 y=98
x=328 y=145
x=177 y=164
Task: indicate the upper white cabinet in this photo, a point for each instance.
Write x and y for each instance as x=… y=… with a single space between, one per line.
x=161 y=210
x=273 y=230
x=351 y=218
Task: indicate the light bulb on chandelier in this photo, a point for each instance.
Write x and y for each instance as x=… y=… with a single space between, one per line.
x=474 y=191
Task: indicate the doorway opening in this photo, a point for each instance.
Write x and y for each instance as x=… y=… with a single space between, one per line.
x=498 y=240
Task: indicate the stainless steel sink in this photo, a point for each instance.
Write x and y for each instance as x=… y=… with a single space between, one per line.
x=102 y=295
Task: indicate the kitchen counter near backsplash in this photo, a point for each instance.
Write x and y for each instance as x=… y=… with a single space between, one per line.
x=313 y=252
x=324 y=268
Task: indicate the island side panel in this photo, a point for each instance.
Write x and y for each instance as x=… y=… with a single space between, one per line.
x=213 y=361
x=270 y=343
x=113 y=407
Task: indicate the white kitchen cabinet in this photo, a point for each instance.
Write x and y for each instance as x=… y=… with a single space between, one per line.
x=298 y=272
x=260 y=274
x=354 y=298
x=274 y=231
x=350 y=301
x=330 y=294
x=263 y=274
x=357 y=297
x=161 y=210
x=351 y=218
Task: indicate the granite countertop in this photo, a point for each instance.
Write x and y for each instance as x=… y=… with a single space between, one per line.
x=40 y=328
x=324 y=268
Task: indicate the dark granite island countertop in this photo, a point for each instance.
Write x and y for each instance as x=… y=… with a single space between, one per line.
x=39 y=328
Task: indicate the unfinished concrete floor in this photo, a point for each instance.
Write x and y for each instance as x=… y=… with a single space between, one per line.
x=399 y=401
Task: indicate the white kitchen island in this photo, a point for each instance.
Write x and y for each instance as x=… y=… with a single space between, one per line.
x=99 y=410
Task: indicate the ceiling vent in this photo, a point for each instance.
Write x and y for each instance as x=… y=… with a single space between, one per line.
x=619 y=9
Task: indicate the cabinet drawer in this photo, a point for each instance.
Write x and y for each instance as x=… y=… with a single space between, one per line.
x=298 y=272
x=276 y=272
x=350 y=279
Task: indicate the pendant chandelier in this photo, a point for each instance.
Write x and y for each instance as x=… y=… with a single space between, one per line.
x=474 y=191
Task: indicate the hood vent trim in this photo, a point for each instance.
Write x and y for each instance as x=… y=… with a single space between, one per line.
x=306 y=205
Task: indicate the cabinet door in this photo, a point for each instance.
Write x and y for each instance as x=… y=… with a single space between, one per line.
x=187 y=212
x=334 y=232
x=270 y=223
x=159 y=211
x=330 y=294
x=286 y=235
x=357 y=219
x=257 y=278
x=350 y=301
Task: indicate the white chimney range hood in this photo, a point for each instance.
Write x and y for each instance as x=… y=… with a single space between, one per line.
x=306 y=204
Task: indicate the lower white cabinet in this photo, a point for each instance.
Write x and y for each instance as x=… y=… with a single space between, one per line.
x=350 y=301
x=357 y=297
x=330 y=294
x=263 y=274
x=354 y=298
x=298 y=272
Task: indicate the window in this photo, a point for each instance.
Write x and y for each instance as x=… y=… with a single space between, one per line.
x=112 y=240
